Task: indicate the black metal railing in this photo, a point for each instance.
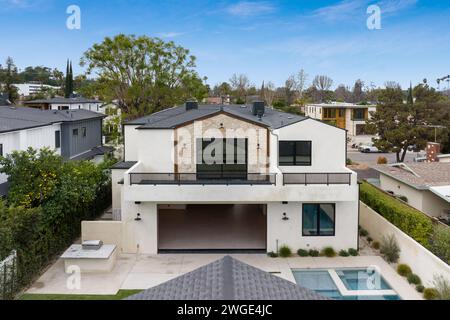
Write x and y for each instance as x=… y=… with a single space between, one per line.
x=317 y=178
x=207 y=178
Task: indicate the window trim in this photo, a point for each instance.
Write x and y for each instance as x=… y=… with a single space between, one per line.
x=318 y=220
x=75 y=132
x=295 y=154
x=84 y=132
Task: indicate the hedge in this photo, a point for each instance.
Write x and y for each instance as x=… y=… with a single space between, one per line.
x=41 y=232
x=409 y=220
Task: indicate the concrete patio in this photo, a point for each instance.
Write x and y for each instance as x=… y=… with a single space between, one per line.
x=146 y=271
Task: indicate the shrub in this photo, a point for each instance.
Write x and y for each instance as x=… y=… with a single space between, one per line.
x=420 y=288
x=442 y=286
x=404 y=270
x=382 y=160
x=414 y=279
x=302 y=253
x=369 y=240
x=376 y=245
x=344 y=253
x=349 y=162
x=439 y=243
x=430 y=294
x=313 y=253
x=285 y=252
x=353 y=252
x=273 y=254
x=389 y=249
x=363 y=232
x=403 y=198
x=328 y=252
x=409 y=220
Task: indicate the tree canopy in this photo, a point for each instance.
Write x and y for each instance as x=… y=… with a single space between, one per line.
x=143 y=74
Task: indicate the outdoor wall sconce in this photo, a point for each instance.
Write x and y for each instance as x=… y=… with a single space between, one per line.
x=285 y=217
x=259 y=147
x=137 y=203
x=221 y=126
x=138 y=217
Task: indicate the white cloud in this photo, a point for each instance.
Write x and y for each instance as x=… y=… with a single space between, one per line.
x=247 y=9
x=170 y=34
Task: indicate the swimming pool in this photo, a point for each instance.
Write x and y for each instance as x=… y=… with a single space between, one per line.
x=346 y=284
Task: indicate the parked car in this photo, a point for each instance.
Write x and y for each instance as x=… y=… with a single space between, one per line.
x=368 y=149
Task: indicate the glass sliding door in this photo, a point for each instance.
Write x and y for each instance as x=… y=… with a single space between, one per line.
x=222 y=158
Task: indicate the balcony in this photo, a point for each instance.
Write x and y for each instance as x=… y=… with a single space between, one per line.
x=317 y=179
x=209 y=178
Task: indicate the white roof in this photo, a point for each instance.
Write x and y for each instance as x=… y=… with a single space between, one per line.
x=443 y=192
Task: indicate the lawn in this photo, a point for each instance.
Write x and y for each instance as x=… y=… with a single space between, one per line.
x=122 y=294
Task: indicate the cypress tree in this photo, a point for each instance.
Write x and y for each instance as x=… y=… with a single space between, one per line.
x=410 y=99
x=71 y=79
x=67 y=82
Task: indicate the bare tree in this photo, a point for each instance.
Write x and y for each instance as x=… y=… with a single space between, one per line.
x=289 y=90
x=269 y=93
x=342 y=93
x=240 y=84
x=358 y=92
x=392 y=85
x=300 y=80
x=322 y=83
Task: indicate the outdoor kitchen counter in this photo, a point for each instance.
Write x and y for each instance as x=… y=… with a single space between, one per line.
x=89 y=261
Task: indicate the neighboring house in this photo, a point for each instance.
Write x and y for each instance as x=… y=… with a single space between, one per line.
x=29 y=89
x=233 y=178
x=425 y=186
x=228 y=279
x=75 y=135
x=59 y=103
x=348 y=116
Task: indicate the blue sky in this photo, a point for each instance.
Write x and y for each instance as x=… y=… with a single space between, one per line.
x=267 y=40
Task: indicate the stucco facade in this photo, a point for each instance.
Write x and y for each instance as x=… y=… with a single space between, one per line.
x=168 y=153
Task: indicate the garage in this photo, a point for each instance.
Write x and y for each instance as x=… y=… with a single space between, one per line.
x=212 y=228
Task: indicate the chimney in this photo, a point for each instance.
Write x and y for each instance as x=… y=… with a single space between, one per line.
x=191 y=105
x=433 y=150
x=258 y=108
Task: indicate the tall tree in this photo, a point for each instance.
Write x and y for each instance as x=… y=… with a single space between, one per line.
x=322 y=84
x=8 y=76
x=358 y=93
x=143 y=74
x=68 y=87
x=342 y=93
x=240 y=85
x=300 y=81
x=410 y=99
x=399 y=126
x=269 y=93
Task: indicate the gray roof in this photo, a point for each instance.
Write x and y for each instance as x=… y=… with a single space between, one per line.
x=124 y=165
x=62 y=100
x=14 y=118
x=96 y=151
x=426 y=174
x=174 y=117
x=228 y=279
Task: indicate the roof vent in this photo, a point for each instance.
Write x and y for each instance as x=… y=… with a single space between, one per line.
x=191 y=105
x=258 y=108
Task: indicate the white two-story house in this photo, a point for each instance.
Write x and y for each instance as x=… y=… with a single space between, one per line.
x=224 y=177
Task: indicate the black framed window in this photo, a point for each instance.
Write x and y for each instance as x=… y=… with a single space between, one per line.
x=359 y=114
x=319 y=220
x=295 y=153
x=1 y=149
x=75 y=132
x=84 y=132
x=57 y=139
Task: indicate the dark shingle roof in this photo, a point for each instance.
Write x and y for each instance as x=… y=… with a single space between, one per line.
x=174 y=117
x=18 y=118
x=124 y=165
x=228 y=279
x=62 y=100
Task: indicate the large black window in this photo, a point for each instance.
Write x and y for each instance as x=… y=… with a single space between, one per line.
x=359 y=114
x=295 y=153
x=57 y=139
x=1 y=150
x=318 y=219
x=75 y=132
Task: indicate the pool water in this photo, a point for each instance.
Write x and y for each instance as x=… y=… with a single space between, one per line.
x=362 y=280
x=321 y=282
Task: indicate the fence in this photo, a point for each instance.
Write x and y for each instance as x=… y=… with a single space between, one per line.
x=8 y=277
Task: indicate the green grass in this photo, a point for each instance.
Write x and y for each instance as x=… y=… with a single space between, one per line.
x=122 y=294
